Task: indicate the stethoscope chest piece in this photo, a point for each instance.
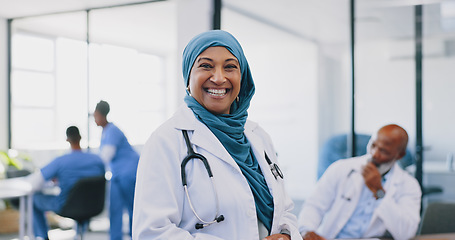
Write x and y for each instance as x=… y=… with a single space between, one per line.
x=276 y=171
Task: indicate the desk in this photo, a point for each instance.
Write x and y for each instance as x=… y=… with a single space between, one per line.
x=18 y=188
x=437 y=174
x=446 y=236
x=439 y=236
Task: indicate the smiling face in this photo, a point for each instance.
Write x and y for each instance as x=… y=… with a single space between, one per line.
x=215 y=79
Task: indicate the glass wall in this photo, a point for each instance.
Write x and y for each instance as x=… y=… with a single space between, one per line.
x=302 y=82
x=128 y=66
x=385 y=68
x=386 y=81
x=48 y=79
x=385 y=72
x=438 y=84
x=438 y=87
x=57 y=80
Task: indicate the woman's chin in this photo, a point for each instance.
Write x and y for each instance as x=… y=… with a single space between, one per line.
x=218 y=109
x=218 y=105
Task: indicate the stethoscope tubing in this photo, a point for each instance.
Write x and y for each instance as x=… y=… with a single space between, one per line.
x=343 y=195
x=276 y=172
x=194 y=155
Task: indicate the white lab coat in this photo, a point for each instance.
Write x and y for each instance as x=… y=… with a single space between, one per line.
x=337 y=194
x=161 y=209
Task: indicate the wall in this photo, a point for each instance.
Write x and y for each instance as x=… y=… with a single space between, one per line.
x=191 y=17
x=438 y=109
x=3 y=85
x=385 y=86
x=385 y=92
x=194 y=17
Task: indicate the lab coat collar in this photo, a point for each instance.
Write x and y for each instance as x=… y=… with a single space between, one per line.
x=395 y=176
x=201 y=135
x=362 y=160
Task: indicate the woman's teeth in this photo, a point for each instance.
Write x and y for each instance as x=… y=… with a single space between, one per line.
x=217 y=92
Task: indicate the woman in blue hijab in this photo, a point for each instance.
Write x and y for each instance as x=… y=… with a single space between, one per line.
x=243 y=199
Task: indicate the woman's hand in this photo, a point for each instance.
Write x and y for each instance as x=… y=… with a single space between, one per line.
x=278 y=236
x=312 y=236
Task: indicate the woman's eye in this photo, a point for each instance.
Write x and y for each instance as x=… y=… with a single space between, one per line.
x=205 y=65
x=231 y=66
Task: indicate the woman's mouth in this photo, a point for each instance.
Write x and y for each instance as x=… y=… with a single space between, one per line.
x=217 y=92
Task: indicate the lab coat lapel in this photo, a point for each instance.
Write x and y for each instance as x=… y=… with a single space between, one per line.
x=390 y=187
x=358 y=183
x=352 y=189
x=205 y=139
x=259 y=149
x=202 y=137
x=354 y=183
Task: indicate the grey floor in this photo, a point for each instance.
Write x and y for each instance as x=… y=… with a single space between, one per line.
x=99 y=230
x=66 y=235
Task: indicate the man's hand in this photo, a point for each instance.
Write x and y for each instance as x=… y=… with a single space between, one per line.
x=312 y=236
x=372 y=177
x=278 y=236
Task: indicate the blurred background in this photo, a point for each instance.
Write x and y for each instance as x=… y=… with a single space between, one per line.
x=323 y=69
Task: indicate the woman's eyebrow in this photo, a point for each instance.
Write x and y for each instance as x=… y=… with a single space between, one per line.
x=211 y=60
x=204 y=58
x=232 y=59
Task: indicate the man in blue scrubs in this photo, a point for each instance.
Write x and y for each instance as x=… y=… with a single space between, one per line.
x=66 y=170
x=122 y=159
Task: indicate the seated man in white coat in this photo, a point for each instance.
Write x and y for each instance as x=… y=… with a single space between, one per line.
x=366 y=196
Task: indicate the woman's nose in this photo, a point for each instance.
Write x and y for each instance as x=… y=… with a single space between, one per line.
x=218 y=77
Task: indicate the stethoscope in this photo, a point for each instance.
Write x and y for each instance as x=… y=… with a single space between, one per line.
x=276 y=171
x=193 y=155
x=344 y=196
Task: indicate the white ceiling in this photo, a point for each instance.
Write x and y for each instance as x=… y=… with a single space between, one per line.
x=325 y=21
x=24 y=8
x=147 y=27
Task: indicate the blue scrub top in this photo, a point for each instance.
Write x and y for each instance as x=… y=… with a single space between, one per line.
x=69 y=168
x=125 y=159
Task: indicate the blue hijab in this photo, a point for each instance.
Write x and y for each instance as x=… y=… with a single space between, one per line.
x=229 y=128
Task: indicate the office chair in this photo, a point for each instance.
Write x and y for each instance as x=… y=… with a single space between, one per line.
x=336 y=148
x=438 y=218
x=85 y=200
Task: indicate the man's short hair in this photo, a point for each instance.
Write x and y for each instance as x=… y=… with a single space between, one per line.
x=103 y=108
x=72 y=133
